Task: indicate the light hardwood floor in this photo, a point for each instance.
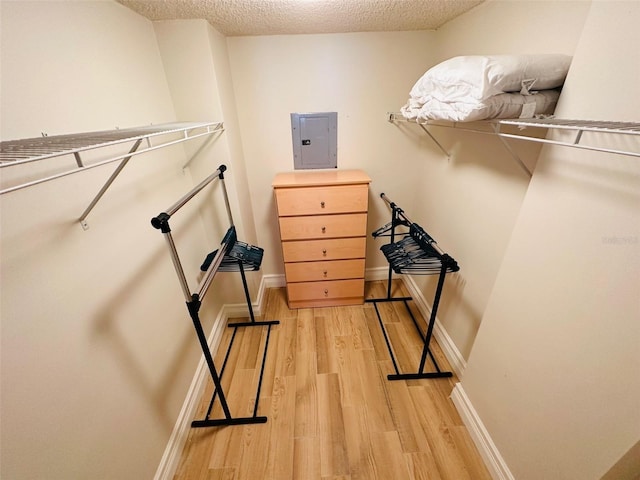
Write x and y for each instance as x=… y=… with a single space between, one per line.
x=332 y=413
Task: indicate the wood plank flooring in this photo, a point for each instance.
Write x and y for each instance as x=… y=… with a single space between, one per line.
x=332 y=413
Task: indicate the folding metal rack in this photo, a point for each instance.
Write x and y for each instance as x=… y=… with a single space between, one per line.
x=417 y=253
x=26 y=151
x=578 y=127
x=232 y=255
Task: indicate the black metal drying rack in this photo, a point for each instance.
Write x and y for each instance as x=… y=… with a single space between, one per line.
x=417 y=253
x=232 y=256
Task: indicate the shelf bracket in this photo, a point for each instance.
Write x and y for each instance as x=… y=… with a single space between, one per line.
x=516 y=157
x=391 y=118
x=108 y=183
x=434 y=140
x=78 y=159
x=210 y=138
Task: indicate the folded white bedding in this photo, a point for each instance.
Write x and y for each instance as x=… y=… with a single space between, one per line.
x=503 y=105
x=478 y=87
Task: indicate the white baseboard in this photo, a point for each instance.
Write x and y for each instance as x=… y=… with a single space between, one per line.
x=488 y=451
x=271 y=281
x=374 y=274
x=449 y=348
x=173 y=451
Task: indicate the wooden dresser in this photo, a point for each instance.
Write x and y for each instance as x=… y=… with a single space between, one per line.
x=322 y=217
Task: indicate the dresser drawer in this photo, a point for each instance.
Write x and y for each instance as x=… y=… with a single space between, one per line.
x=337 y=289
x=333 y=270
x=322 y=217
x=322 y=200
x=323 y=226
x=314 y=250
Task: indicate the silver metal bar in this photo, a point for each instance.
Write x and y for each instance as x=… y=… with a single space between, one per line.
x=93 y=165
x=205 y=283
x=161 y=222
x=180 y=203
x=515 y=156
x=226 y=200
x=496 y=131
x=109 y=182
x=178 y=266
x=565 y=144
x=392 y=117
x=624 y=128
x=434 y=140
x=384 y=197
x=401 y=213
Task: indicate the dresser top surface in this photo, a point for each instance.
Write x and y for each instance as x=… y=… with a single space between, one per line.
x=319 y=178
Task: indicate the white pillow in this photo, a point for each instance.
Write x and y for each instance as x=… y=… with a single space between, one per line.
x=478 y=77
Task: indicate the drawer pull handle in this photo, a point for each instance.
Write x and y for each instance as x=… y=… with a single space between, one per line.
x=324 y=229
x=324 y=274
x=322 y=204
x=326 y=292
x=324 y=252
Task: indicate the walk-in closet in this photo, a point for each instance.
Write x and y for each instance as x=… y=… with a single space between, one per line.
x=319 y=240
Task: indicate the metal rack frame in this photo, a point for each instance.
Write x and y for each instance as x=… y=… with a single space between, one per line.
x=579 y=127
x=226 y=258
x=26 y=151
x=418 y=253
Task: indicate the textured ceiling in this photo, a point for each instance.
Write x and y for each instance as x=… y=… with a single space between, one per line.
x=272 y=17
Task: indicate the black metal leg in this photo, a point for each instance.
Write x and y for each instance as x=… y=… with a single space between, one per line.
x=224 y=366
x=252 y=321
x=432 y=321
x=246 y=290
x=229 y=420
x=194 y=307
x=218 y=392
x=264 y=361
x=426 y=352
x=386 y=339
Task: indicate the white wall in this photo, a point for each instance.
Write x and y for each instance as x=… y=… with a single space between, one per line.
x=553 y=373
x=514 y=26
x=196 y=64
x=362 y=77
x=469 y=202
x=97 y=348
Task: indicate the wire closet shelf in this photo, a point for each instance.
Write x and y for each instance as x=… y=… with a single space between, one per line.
x=575 y=127
x=29 y=150
x=144 y=139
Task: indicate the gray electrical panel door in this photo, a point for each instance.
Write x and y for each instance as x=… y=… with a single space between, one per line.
x=315 y=140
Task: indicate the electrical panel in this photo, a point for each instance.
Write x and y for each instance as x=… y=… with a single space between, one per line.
x=315 y=140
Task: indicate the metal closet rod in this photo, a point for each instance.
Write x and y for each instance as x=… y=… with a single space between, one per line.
x=161 y=222
x=401 y=213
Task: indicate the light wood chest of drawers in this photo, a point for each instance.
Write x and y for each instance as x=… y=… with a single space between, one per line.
x=322 y=216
